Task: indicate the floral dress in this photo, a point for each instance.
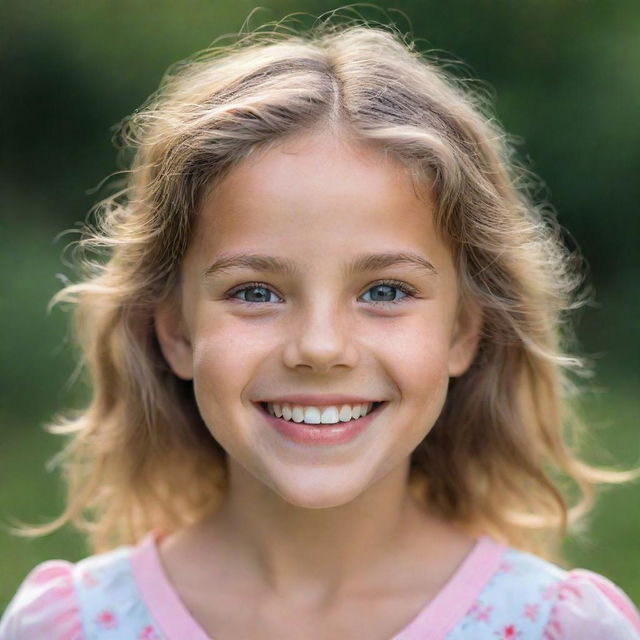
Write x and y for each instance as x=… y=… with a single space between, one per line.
x=497 y=592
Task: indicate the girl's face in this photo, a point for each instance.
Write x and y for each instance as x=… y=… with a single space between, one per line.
x=248 y=334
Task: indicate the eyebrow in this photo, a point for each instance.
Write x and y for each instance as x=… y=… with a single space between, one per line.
x=273 y=264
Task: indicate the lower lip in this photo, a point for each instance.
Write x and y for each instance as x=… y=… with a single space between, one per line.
x=322 y=434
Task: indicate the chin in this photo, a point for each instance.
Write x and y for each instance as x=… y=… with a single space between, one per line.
x=318 y=498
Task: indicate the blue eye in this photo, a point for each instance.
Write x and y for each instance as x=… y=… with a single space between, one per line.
x=262 y=296
x=387 y=289
x=260 y=292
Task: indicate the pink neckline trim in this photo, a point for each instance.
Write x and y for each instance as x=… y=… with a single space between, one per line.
x=444 y=612
x=159 y=595
x=439 y=616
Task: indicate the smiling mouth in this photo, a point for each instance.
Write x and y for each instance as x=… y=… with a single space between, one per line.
x=375 y=408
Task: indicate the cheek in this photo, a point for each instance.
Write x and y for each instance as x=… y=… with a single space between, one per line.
x=416 y=359
x=220 y=374
x=417 y=350
x=224 y=355
x=217 y=361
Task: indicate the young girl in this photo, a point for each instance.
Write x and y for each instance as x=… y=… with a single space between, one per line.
x=329 y=367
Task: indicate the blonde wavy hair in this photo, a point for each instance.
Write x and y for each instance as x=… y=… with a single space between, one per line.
x=504 y=454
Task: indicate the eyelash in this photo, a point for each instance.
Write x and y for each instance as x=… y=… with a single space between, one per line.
x=409 y=292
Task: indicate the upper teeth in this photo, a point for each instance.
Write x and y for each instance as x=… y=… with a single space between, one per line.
x=315 y=415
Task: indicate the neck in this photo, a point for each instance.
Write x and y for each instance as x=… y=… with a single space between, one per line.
x=316 y=555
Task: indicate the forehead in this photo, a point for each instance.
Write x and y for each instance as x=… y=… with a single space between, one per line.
x=318 y=195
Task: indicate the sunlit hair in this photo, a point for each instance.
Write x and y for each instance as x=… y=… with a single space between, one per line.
x=504 y=457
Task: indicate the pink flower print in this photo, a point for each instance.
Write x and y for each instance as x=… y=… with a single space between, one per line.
x=508 y=633
x=107 y=619
x=481 y=613
x=550 y=592
x=553 y=630
x=531 y=611
x=89 y=580
x=568 y=591
x=148 y=633
x=505 y=566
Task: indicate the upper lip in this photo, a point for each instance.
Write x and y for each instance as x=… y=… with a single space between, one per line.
x=319 y=400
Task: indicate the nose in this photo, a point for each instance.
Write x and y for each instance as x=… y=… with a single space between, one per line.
x=321 y=338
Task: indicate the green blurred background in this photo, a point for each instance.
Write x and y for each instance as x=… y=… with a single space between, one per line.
x=566 y=81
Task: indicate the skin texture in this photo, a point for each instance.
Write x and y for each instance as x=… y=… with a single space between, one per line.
x=309 y=525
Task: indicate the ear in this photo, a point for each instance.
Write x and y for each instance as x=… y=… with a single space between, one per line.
x=173 y=339
x=465 y=338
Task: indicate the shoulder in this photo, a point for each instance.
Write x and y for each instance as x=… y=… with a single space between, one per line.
x=515 y=601
x=522 y=579
x=578 y=603
x=60 y=600
x=44 y=606
x=529 y=597
x=590 y=606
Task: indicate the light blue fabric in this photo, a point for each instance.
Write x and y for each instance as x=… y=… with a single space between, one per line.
x=111 y=606
x=516 y=603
